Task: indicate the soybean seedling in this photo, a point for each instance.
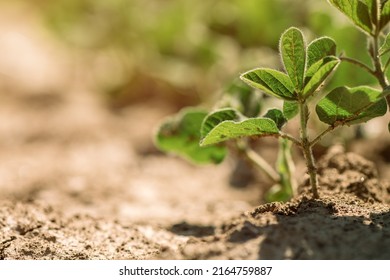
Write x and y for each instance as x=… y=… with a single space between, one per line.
x=306 y=68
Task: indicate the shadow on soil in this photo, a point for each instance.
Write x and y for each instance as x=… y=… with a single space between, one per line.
x=315 y=231
x=186 y=229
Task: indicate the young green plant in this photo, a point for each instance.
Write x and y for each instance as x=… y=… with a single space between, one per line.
x=306 y=69
x=182 y=133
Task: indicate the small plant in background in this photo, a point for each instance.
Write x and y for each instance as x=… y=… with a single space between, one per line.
x=181 y=134
x=306 y=68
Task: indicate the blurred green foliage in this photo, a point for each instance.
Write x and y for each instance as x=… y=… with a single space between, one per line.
x=186 y=50
x=328 y=22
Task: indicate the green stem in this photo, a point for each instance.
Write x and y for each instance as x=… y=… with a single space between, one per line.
x=285 y=167
x=261 y=163
x=322 y=134
x=379 y=69
x=360 y=64
x=307 y=148
x=290 y=137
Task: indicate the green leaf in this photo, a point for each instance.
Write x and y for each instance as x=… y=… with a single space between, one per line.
x=226 y=130
x=357 y=11
x=290 y=109
x=385 y=14
x=271 y=81
x=386 y=46
x=215 y=118
x=317 y=74
x=346 y=106
x=293 y=50
x=277 y=116
x=378 y=109
x=319 y=49
x=180 y=135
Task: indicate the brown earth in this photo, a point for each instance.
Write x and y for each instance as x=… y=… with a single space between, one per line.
x=78 y=181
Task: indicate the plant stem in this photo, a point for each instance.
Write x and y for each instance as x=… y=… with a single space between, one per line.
x=307 y=148
x=285 y=167
x=290 y=137
x=379 y=73
x=360 y=64
x=322 y=134
x=379 y=69
x=257 y=160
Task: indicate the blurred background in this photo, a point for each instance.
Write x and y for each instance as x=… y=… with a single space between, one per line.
x=83 y=84
x=177 y=51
